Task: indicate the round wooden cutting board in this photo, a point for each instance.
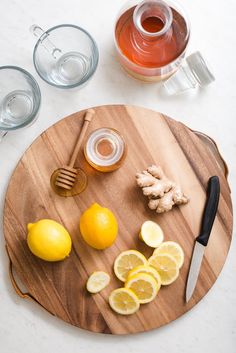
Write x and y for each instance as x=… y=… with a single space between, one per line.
x=152 y=138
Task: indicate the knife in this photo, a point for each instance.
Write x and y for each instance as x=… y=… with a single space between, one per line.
x=209 y=214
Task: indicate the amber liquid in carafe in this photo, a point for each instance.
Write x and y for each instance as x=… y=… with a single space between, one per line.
x=152 y=24
x=156 y=51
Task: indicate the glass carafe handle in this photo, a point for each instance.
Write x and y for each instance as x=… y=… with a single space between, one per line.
x=45 y=41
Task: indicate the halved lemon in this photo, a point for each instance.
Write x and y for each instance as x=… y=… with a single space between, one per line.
x=151 y=233
x=126 y=261
x=166 y=266
x=97 y=281
x=144 y=286
x=171 y=248
x=146 y=269
x=124 y=301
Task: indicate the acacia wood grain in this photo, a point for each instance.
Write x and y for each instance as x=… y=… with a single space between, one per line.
x=151 y=138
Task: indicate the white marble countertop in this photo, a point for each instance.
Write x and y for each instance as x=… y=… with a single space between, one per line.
x=211 y=325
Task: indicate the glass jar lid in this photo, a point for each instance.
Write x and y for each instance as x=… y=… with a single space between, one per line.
x=105 y=147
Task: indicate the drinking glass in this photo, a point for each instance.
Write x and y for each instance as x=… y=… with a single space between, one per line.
x=65 y=56
x=20 y=99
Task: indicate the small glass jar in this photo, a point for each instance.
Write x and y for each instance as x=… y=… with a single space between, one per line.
x=105 y=149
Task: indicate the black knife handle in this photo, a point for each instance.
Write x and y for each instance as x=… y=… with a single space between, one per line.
x=209 y=214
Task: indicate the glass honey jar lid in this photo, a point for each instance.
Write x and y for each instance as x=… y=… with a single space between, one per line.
x=105 y=149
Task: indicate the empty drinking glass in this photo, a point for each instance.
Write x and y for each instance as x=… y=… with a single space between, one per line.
x=65 y=56
x=20 y=99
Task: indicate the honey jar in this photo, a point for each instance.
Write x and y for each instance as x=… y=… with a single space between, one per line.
x=105 y=149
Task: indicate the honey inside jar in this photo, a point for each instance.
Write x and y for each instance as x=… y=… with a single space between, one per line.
x=105 y=149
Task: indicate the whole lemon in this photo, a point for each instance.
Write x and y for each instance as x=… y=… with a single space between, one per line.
x=49 y=240
x=98 y=227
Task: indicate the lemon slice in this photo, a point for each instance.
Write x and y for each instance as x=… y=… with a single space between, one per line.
x=152 y=234
x=171 y=248
x=166 y=266
x=146 y=269
x=124 y=301
x=97 y=281
x=144 y=286
x=126 y=261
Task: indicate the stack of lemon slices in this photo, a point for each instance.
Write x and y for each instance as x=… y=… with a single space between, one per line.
x=143 y=277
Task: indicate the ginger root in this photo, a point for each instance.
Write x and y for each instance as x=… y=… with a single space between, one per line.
x=163 y=193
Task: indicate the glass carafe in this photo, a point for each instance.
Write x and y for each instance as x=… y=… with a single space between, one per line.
x=151 y=38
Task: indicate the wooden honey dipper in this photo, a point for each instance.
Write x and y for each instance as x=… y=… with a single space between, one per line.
x=67 y=175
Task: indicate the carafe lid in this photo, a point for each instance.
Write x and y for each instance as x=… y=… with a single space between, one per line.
x=200 y=69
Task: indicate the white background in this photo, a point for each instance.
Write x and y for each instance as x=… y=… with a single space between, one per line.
x=211 y=325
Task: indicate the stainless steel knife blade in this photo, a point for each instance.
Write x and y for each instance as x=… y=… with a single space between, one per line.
x=209 y=214
x=194 y=270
